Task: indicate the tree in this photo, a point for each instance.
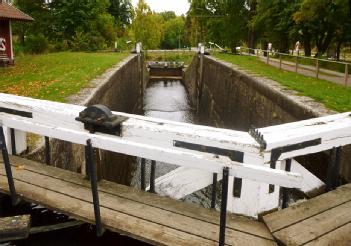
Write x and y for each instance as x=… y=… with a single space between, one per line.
x=173 y=33
x=122 y=12
x=83 y=22
x=147 y=26
x=324 y=18
x=38 y=10
x=274 y=22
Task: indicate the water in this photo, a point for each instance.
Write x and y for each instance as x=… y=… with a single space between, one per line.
x=165 y=100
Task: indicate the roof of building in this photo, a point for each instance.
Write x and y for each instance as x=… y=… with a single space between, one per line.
x=9 y=12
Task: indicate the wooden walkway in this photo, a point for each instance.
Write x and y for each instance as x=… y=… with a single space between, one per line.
x=324 y=220
x=140 y=215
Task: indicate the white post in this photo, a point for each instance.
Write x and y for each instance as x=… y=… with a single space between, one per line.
x=20 y=140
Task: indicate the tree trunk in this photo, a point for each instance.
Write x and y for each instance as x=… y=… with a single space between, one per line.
x=338 y=49
x=307 y=44
x=322 y=45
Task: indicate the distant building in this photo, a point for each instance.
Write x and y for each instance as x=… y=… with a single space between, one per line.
x=8 y=14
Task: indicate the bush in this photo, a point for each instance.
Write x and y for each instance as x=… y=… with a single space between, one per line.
x=88 y=42
x=37 y=44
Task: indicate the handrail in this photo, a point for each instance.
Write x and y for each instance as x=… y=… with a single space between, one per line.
x=304 y=57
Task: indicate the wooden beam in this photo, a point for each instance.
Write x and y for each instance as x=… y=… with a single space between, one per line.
x=14 y=228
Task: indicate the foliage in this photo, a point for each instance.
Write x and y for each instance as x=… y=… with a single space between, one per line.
x=75 y=24
x=37 y=44
x=334 y=96
x=147 y=26
x=55 y=76
x=173 y=33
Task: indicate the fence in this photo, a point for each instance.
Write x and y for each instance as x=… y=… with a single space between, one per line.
x=315 y=65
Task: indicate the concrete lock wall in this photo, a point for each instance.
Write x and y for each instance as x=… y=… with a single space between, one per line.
x=229 y=97
x=120 y=88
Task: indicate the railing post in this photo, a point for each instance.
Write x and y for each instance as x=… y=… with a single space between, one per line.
x=152 y=176
x=317 y=69
x=297 y=63
x=5 y=155
x=267 y=56
x=47 y=151
x=346 y=73
x=142 y=175
x=93 y=180
x=333 y=169
x=285 y=190
x=223 y=214
x=214 y=189
x=13 y=141
x=280 y=61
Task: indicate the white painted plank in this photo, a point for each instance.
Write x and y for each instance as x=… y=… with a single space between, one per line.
x=310 y=182
x=137 y=128
x=200 y=160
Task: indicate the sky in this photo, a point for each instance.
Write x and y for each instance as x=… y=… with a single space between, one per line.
x=178 y=6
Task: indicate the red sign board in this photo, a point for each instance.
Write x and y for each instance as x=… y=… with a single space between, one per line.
x=5 y=38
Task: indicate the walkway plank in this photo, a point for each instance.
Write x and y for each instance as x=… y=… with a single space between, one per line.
x=141 y=215
x=324 y=220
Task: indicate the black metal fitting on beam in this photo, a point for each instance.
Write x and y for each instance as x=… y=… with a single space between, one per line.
x=13 y=141
x=213 y=192
x=47 y=151
x=152 y=177
x=99 y=118
x=223 y=214
x=259 y=138
x=142 y=174
x=94 y=188
x=5 y=155
x=286 y=190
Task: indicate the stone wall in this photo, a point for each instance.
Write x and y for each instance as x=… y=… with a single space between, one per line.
x=235 y=99
x=119 y=89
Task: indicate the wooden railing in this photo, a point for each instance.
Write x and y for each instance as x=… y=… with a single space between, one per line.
x=252 y=158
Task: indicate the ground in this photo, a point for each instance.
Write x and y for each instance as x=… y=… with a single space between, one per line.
x=55 y=76
x=333 y=96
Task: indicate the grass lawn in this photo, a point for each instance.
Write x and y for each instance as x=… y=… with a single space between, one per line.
x=55 y=76
x=332 y=95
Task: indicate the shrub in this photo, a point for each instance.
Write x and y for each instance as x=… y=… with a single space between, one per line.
x=37 y=44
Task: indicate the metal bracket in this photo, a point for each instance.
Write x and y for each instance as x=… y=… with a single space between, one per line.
x=233 y=155
x=277 y=152
x=99 y=118
x=16 y=112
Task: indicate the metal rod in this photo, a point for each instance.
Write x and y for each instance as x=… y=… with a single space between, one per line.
x=331 y=170
x=13 y=141
x=93 y=180
x=142 y=174
x=297 y=63
x=47 y=151
x=152 y=177
x=5 y=155
x=272 y=187
x=317 y=69
x=338 y=153
x=223 y=215
x=214 y=189
x=286 y=190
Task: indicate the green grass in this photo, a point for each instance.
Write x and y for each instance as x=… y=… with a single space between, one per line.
x=332 y=95
x=180 y=56
x=55 y=76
